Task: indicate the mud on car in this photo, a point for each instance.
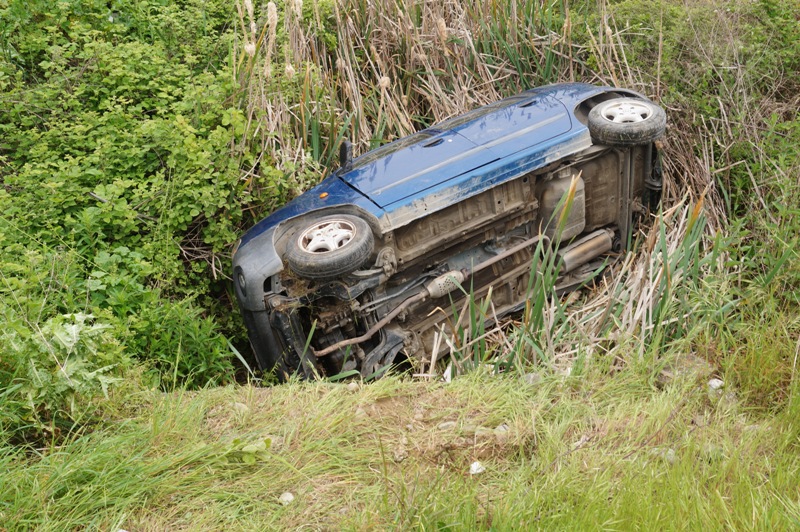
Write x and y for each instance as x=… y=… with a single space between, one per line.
x=346 y=276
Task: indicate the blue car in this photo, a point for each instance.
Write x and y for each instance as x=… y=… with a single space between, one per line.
x=346 y=276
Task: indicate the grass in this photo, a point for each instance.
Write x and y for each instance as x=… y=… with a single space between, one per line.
x=583 y=451
x=604 y=395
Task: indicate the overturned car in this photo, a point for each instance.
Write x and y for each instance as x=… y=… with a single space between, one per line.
x=345 y=277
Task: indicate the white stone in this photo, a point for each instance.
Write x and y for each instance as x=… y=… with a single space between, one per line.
x=476 y=468
x=286 y=498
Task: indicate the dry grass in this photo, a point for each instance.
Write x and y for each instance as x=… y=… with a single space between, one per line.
x=632 y=439
x=399 y=66
x=396 y=454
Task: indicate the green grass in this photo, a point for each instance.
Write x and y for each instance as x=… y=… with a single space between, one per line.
x=588 y=451
x=620 y=431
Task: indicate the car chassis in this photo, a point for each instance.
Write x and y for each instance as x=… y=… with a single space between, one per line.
x=346 y=277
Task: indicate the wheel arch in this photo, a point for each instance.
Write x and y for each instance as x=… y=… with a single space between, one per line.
x=584 y=107
x=260 y=258
x=287 y=229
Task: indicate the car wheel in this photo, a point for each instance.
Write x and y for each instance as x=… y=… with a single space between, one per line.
x=330 y=247
x=626 y=122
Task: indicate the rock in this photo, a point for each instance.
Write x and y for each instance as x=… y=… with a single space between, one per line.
x=241 y=408
x=715 y=389
x=447 y=425
x=531 y=379
x=501 y=433
x=476 y=468
x=353 y=387
x=400 y=452
x=483 y=432
x=286 y=498
x=360 y=413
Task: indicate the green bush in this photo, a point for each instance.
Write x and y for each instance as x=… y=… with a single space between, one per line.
x=184 y=347
x=118 y=123
x=50 y=372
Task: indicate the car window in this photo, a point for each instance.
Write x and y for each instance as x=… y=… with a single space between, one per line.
x=477 y=113
x=388 y=149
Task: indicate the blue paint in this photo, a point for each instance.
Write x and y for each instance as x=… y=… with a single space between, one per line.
x=338 y=193
x=453 y=160
x=414 y=169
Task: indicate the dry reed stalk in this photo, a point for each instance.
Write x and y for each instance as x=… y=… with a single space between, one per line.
x=398 y=66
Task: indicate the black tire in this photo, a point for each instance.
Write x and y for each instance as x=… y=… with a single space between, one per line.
x=330 y=247
x=626 y=122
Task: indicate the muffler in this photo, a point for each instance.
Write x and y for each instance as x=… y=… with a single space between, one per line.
x=587 y=248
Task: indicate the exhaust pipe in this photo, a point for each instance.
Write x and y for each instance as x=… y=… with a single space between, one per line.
x=585 y=249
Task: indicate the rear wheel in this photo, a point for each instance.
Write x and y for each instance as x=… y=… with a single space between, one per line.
x=626 y=122
x=330 y=247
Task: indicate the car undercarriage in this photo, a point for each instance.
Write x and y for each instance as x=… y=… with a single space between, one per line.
x=364 y=320
x=371 y=267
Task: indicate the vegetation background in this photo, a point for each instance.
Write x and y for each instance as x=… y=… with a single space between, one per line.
x=139 y=138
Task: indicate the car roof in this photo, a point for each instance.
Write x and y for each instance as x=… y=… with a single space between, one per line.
x=409 y=166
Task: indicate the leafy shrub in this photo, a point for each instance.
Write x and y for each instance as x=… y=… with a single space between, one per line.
x=50 y=372
x=119 y=188
x=183 y=346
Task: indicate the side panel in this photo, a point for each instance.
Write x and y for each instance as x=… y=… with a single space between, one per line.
x=529 y=123
x=417 y=168
x=477 y=181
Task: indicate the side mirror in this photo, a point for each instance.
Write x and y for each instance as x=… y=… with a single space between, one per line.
x=345 y=156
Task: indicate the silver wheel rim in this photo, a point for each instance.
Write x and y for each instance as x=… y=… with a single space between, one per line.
x=626 y=112
x=327 y=236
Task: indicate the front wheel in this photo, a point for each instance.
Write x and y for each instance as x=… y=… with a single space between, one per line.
x=626 y=122
x=330 y=247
